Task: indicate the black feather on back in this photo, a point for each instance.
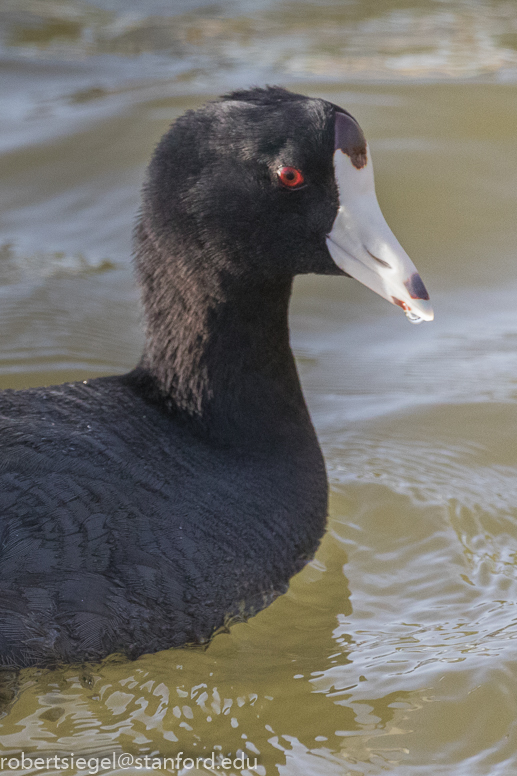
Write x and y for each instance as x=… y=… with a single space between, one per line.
x=144 y=511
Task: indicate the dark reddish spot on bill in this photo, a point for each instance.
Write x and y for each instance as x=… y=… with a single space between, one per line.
x=348 y=136
x=415 y=287
x=400 y=303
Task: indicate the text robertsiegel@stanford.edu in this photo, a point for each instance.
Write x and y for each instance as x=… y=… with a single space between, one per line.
x=93 y=765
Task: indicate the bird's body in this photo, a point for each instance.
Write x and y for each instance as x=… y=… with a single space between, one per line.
x=116 y=547
x=145 y=511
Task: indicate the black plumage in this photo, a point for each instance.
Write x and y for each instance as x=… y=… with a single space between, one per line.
x=143 y=511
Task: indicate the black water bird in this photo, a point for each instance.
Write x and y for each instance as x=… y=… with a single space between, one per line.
x=143 y=511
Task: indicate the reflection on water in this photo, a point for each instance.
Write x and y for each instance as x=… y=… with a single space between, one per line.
x=394 y=651
x=329 y=39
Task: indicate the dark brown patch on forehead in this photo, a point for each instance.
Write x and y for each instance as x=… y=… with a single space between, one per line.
x=348 y=136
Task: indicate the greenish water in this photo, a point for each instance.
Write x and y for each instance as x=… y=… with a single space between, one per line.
x=395 y=650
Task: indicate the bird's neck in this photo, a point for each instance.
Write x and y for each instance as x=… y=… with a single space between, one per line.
x=219 y=352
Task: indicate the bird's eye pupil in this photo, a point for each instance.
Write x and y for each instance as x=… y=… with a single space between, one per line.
x=290 y=177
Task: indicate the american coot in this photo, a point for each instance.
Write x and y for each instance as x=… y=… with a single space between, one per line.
x=143 y=511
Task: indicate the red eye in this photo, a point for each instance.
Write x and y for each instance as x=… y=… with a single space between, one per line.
x=290 y=177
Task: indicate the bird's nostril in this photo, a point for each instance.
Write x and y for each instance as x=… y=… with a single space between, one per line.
x=381 y=261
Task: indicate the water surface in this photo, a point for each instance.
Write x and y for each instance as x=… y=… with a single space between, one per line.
x=394 y=651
